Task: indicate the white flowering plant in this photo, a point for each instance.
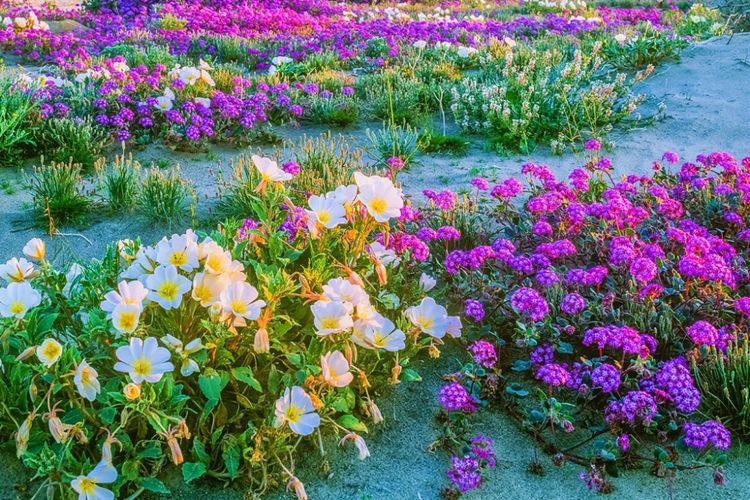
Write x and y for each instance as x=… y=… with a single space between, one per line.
x=221 y=353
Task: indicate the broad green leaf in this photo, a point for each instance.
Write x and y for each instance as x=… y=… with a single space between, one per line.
x=352 y=423
x=245 y=374
x=192 y=470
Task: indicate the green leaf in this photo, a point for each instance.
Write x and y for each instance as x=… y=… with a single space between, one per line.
x=245 y=374
x=107 y=415
x=154 y=485
x=211 y=385
x=520 y=365
x=273 y=380
x=153 y=451
x=231 y=454
x=192 y=470
x=411 y=375
x=199 y=452
x=45 y=323
x=517 y=389
x=352 y=423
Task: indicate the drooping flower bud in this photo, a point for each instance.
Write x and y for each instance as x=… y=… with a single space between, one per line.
x=132 y=391
x=261 y=343
x=374 y=411
x=298 y=487
x=22 y=435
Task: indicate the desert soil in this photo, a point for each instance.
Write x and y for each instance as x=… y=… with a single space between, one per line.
x=707 y=109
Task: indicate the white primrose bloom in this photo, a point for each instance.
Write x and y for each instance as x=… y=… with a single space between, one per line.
x=430 y=317
x=181 y=251
x=17 y=299
x=164 y=103
x=620 y=37
x=279 y=60
x=88 y=487
x=203 y=101
x=344 y=194
x=466 y=52
x=331 y=317
x=128 y=293
x=187 y=366
x=126 y=317
x=384 y=335
x=86 y=379
x=239 y=299
x=328 y=212
x=49 y=352
x=386 y=256
x=427 y=282
x=419 y=44
x=34 y=249
x=335 y=369
x=207 y=288
x=143 y=360
x=17 y=270
x=342 y=290
x=189 y=75
x=269 y=170
x=378 y=194
x=166 y=287
x=296 y=409
x=142 y=266
x=454 y=326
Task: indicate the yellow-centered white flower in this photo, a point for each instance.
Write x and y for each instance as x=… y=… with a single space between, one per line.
x=181 y=251
x=335 y=369
x=296 y=409
x=166 y=286
x=431 y=318
x=269 y=170
x=143 y=360
x=328 y=212
x=17 y=270
x=88 y=487
x=35 y=249
x=126 y=317
x=383 y=335
x=187 y=366
x=342 y=290
x=49 y=352
x=86 y=379
x=378 y=194
x=131 y=293
x=208 y=287
x=239 y=299
x=331 y=317
x=17 y=298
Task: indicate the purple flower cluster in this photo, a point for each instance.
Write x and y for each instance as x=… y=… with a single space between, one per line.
x=464 y=473
x=474 y=310
x=573 y=303
x=607 y=377
x=553 y=374
x=674 y=376
x=484 y=353
x=454 y=397
x=529 y=302
x=709 y=432
x=634 y=407
x=620 y=338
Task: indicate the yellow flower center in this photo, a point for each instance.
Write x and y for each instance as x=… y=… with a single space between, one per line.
x=142 y=367
x=168 y=290
x=293 y=413
x=202 y=293
x=17 y=307
x=86 y=375
x=215 y=262
x=330 y=323
x=378 y=205
x=87 y=485
x=126 y=320
x=425 y=322
x=324 y=216
x=379 y=339
x=239 y=306
x=178 y=258
x=51 y=350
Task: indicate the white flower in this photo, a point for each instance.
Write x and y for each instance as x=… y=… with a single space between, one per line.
x=188 y=366
x=208 y=287
x=509 y=41
x=454 y=326
x=419 y=44
x=295 y=409
x=163 y=103
x=189 y=75
x=380 y=336
x=49 y=352
x=430 y=317
x=181 y=250
x=34 y=249
x=166 y=286
x=427 y=282
x=269 y=170
x=620 y=37
x=329 y=212
x=17 y=270
x=382 y=199
x=335 y=369
x=239 y=299
x=131 y=293
x=344 y=194
x=142 y=266
x=203 y=101
x=87 y=381
x=279 y=60
x=17 y=298
x=386 y=256
x=126 y=317
x=143 y=360
x=331 y=317
x=88 y=487
x=342 y=290
x=465 y=52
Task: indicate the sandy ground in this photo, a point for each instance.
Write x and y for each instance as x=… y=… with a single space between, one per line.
x=707 y=110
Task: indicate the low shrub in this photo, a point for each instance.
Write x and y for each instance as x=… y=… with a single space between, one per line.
x=57 y=193
x=19 y=113
x=72 y=140
x=164 y=195
x=120 y=181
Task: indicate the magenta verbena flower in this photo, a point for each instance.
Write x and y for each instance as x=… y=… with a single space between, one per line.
x=607 y=377
x=708 y=433
x=528 y=301
x=643 y=270
x=703 y=333
x=675 y=378
x=573 y=303
x=484 y=353
x=474 y=310
x=553 y=374
x=454 y=397
x=464 y=473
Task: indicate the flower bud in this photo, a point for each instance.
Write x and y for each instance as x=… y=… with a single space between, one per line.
x=374 y=411
x=26 y=353
x=174 y=449
x=719 y=478
x=364 y=383
x=395 y=372
x=22 y=435
x=298 y=487
x=132 y=391
x=262 y=343
x=381 y=272
x=354 y=279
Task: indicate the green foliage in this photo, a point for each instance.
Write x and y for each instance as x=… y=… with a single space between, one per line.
x=390 y=141
x=77 y=140
x=18 y=116
x=724 y=382
x=237 y=197
x=120 y=181
x=57 y=193
x=327 y=162
x=392 y=96
x=164 y=195
x=650 y=47
x=434 y=142
x=339 y=111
